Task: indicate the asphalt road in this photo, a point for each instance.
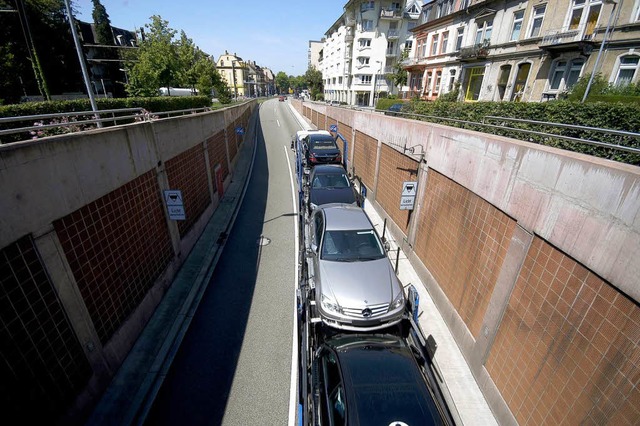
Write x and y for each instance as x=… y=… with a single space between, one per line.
x=234 y=364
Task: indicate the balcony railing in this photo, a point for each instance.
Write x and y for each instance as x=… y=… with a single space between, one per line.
x=390 y=14
x=392 y=52
x=567 y=34
x=393 y=34
x=477 y=51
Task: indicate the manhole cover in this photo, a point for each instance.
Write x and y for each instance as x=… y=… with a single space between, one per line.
x=263 y=241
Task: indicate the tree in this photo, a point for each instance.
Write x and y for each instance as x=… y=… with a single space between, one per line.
x=313 y=78
x=156 y=62
x=282 y=82
x=104 y=33
x=399 y=74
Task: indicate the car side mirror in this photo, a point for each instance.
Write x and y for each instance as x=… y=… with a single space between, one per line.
x=431 y=347
x=386 y=245
x=314 y=247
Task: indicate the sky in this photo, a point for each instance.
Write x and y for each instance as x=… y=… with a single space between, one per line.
x=274 y=34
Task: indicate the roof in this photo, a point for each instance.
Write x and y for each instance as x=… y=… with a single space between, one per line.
x=344 y=217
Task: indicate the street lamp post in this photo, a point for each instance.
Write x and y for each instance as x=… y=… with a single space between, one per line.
x=375 y=83
x=604 y=39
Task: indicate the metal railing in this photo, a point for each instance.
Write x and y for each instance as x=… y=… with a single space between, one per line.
x=504 y=120
x=62 y=120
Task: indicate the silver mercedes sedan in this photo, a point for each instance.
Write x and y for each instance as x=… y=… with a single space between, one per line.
x=355 y=285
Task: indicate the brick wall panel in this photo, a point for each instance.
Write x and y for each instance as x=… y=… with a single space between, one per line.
x=395 y=169
x=364 y=161
x=43 y=365
x=567 y=348
x=231 y=141
x=218 y=154
x=117 y=247
x=462 y=240
x=322 y=122
x=188 y=173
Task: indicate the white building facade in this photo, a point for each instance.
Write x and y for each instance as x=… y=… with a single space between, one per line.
x=363 y=47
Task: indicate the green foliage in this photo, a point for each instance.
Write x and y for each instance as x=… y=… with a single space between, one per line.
x=383 y=104
x=282 y=82
x=615 y=116
x=313 y=78
x=102 y=23
x=451 y=96
x=602 y=90
x=399 y=74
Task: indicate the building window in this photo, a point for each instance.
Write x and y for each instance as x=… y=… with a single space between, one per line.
x=627 y=70
x=564 y=74
x=464 y=4
x=521 y=82
x=503 y=80
x=363 y=60
x=434 y=45
x=452 y=79
x=445 y=42
x=408 y=44
x=536 y=20
x=416 y=82
x=427 y=88
x=474 y=84
x=364 y=42
x=584 y=14
x=365 y=79
x=517 y=25
x=459 y=38
x=367 y=5
x=483 y=32
x=438 y=81
x=367 y=25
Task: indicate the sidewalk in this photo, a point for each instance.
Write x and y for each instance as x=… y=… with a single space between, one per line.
x=130 y=395
x=469 y=401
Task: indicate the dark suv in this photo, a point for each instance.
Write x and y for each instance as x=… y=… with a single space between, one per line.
x=320 y=148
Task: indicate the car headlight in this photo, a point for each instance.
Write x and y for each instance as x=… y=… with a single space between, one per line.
x=330 y=305
x=398 y=301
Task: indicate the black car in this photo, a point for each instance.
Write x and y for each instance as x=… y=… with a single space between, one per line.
x=367 y=379
x=394 y=109
x=320 y=148
x=329 y=183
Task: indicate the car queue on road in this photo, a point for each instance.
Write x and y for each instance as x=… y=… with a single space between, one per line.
x=363 y=358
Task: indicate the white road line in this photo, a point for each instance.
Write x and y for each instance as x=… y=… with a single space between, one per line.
x=278 y=121
x=293 y=389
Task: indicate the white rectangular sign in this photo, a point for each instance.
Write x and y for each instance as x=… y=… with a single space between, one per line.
x=175 y=206
x=409 y=188
x=406 y=203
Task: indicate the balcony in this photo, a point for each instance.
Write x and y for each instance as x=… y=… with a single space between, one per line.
x=390 y=14
x=568 y=38
x=392 y=52
x=475 y=52
x=349 y=21
x=391 y=34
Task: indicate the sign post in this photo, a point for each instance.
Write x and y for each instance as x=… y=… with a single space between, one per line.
x=408 y=197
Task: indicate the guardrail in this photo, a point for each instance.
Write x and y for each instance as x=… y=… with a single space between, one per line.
x=62 y=120
x=505 y=120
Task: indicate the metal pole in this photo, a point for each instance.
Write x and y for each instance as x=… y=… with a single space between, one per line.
x=85 y=74
x=604 y=39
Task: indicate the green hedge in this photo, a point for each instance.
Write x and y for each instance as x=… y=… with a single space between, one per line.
x=615 y=116
x=154 y=104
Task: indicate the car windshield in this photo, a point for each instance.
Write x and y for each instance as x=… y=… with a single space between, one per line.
x=330 y=181
x=350 y=246
x=323 y=144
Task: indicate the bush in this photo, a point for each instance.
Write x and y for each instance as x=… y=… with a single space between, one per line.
x=614 y=116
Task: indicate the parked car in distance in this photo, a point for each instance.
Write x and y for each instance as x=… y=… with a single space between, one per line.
x=374 y=379
x=394 y=109
x=329 y=183
x=321 y=148
x=355 y=286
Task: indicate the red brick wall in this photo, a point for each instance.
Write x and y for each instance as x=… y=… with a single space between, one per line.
x=231 y=141
x=43 y=364
x=567 y=348
x=395 y=169
x=364 y=158
x=462 y=240
x=117 y=247
x=188 y=173
x=218 y=154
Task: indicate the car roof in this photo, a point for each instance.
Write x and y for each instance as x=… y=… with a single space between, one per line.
x=304 y=133
x=345 y=217
x=382 y=381
x=313 y=137
x=328 y=169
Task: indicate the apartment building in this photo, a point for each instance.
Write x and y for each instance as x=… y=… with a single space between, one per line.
x=245 y=78
x=362 y=47
x=521 y=50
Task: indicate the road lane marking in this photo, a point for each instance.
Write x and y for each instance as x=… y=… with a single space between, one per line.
x=293 y=405
x=278 y=121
